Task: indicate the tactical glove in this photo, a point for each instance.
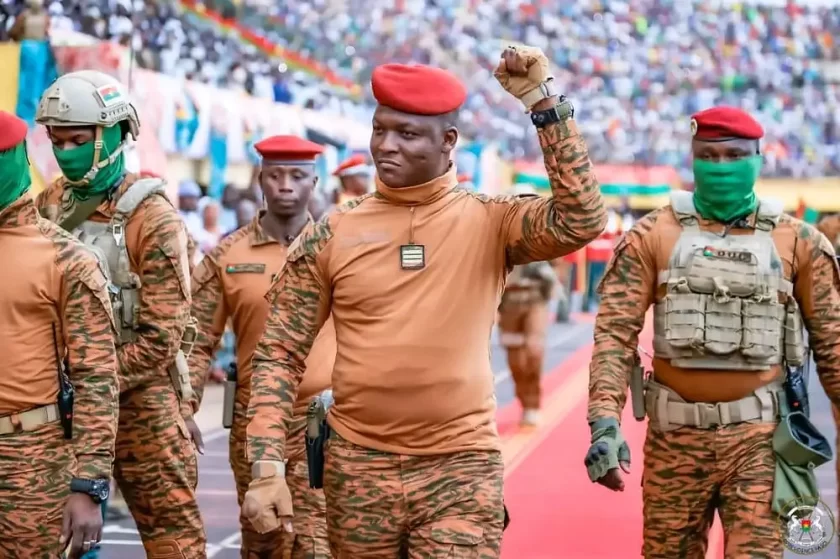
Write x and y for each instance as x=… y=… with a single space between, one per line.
x=267 y=503
x=608 y=450
x=524 y=73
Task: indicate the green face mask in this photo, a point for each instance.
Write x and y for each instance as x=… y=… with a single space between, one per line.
x=76 y=162
x=725 y=191
x=14 y=175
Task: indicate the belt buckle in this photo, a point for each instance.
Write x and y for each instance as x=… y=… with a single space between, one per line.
x=708 y=415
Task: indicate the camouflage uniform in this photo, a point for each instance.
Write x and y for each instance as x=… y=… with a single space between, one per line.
x=706 y=456
x=60 y=286
x=230 y=283
x=139 y=235
x=415 y=458
x=523 y=317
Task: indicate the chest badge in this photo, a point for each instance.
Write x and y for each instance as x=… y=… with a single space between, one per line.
x=245 y=269
x=412 y=257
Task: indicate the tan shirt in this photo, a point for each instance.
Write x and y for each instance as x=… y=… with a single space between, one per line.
x=156 y=240
x=412 y=372
x=630 y=287
x=230 y=283
x=50 y=280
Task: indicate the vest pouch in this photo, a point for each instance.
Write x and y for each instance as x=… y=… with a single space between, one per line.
x=129 y=305
x=723 y=326
x=685 y=319
x=179 y=374
x=762 y=329
x=794 y=342
x=800 y=448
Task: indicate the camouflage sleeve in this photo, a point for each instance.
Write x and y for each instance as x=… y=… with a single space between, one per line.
x=300 y=303
x=817 y=290
x=89 y=333
x=540 y=228
x=163 y=268
x=627 y=290
x=210 y=312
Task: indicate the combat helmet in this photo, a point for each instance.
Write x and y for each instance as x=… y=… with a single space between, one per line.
x=89 y=98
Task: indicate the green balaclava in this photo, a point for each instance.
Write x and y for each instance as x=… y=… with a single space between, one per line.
x=76 y=162
x=725 y=190
x=14 y=174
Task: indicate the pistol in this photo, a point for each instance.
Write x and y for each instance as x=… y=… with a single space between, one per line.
x=66 y=393
x=796 y=390
x=230 y=395
x=317 y=435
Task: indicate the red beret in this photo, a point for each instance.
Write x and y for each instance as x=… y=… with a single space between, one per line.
x=145 y=174
x=350 y=163
x=12 y=131
x=287 y=150
x=417 y=89
x=723 y=123
x=463 y=178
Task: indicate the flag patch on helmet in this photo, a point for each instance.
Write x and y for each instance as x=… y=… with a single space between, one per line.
x=109 y=95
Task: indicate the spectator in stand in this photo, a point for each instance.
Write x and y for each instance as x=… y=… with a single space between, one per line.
x=211 y=230
x=189 y=193
x=641 y=65
x=246 y=210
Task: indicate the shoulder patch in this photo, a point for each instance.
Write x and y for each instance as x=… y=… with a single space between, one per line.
x=245 y=268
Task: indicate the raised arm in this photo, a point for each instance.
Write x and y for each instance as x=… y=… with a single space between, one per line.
x=540 y=228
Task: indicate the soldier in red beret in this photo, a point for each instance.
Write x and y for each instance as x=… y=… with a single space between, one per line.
x=732 y=281
x=412 y=275
x=354 y=176
x=56 y=311
x=229 y=285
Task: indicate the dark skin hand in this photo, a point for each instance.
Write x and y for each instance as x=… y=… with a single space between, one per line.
x=287 y=190
x=612 y=479
x=411 y=149
x=195 y=434
x=82 y=523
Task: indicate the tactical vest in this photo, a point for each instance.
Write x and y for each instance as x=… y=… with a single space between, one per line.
x=107 y=241
x=529 y=284
x=727 y=304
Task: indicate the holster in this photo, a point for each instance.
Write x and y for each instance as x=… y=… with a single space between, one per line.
x=179 y=370
x=317 y=434
x=229 y=401
x=800 y=448
x=638 y=382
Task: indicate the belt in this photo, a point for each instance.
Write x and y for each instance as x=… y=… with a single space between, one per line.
x=28 y=420
x=668 y=411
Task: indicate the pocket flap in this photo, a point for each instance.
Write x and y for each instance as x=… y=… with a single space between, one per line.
x=457 y=532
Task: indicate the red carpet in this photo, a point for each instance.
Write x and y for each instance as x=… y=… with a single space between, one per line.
x=556 y=512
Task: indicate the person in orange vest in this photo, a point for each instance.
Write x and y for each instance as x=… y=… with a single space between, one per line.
x=354 y=176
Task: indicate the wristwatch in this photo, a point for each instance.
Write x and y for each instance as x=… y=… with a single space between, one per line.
x=268 y=468
x=561 y=112
x=97 y=489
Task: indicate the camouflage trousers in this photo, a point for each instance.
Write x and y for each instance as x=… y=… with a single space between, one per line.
x=35 y=472
x=522 y=332
x=390 y=505
x=310 y=525
x=157 y=471
x=690 y=473
x=837 y=461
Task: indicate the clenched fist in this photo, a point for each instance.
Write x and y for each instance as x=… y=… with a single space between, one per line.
x=521 y=71
x=268 y=503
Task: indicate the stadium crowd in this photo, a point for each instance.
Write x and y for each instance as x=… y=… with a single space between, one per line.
x=636 y=68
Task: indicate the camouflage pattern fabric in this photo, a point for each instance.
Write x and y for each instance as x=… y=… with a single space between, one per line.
x=689 y=473
x=35 y=472
x=387 y=505
x=310 y=538
x=157 y=469
x=155 y=459
x=525 y=360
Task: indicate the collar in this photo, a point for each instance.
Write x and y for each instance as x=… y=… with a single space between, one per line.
x=19 y=213
x=422 y=194
x=259 y=236
x=108 y=206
